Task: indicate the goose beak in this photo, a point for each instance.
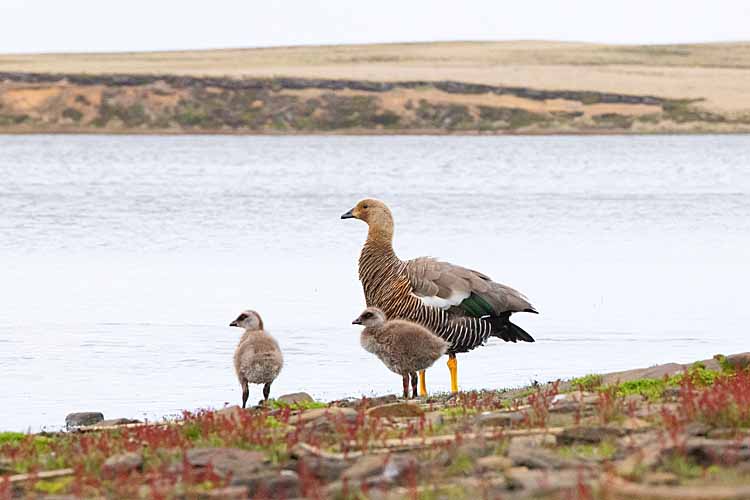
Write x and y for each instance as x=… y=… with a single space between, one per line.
x=357 y=322
x=348 y=215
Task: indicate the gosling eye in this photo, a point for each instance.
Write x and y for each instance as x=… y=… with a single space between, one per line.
x=242 y=317
x=364 y=206
x=367 y=315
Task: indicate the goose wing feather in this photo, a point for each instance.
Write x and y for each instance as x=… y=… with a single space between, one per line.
x=458 y=289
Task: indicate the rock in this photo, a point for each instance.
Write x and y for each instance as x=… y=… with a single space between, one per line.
x=535 y=440
x=717 y=451
x=396 y=410
x=6 y=465
x=592 y=435
x=82 y=419
x=273 y=484
x=295 y=398
x=114 y=422
x=323 y=466
x=365 y=402
x=434 y=419
x=635 y=424
x=227 y=493
x=661 y=478
x=739 y=361
x=721 y=433
x=121 y=465
x=501 y=419
x=333 y=413
x=241 y=464
x=493 y=463
x=379 y=469
x=644 y=458
x=697 y=429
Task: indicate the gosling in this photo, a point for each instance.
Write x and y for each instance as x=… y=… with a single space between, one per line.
x=257 y=359
x=404 y=347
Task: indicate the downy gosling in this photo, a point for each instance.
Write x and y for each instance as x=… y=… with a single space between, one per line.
x=258 y=358
x=404 y=347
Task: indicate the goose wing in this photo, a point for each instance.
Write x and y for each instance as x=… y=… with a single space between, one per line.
x=462 y=291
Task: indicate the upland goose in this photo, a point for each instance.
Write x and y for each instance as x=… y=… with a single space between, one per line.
x=258 y=358
x=404 y=347
x=462 y=306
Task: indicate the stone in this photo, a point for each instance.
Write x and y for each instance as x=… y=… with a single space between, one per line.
x=272 y=484
x=721 y=433
x=540 y=458
x=661 y=478
x=697 y=429
x=295 y=398
x=644 y=458
x=333 y=413
x=635 y=424
x=121 y=465
x=493 y=463
x=226 y=493
x=395 y=410
x=717 y=451
x=241 y=464
x=739 y=361
x=591 y=435
x=501 y=419
x=323 y=466
x=434 y=419
x=379 y=469
x=82 y=419
x=114 y=422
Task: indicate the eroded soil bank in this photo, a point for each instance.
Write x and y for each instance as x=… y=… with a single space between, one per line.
x=56 y=103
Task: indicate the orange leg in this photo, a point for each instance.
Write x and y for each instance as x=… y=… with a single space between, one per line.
x=422 y=383
x=453 y=367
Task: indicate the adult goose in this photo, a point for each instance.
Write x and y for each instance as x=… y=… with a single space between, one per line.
x=462 y=306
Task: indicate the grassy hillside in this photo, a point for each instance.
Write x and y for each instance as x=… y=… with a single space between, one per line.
x=718 y=73
x=459 y=87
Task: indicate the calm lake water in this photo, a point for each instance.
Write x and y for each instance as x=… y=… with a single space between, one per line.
x=125 y=258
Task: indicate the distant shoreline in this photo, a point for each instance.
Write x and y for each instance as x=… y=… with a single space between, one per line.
x=173 y=104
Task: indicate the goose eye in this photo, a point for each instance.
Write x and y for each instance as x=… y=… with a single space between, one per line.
x=364 y=206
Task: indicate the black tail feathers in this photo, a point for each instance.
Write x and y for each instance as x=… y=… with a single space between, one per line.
x=504 y=329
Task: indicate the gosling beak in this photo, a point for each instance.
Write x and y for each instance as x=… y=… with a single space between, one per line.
x=356 y=321
x=348 y=215
x=233 y=323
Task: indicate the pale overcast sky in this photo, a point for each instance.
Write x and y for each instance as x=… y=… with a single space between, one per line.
x=101 y=25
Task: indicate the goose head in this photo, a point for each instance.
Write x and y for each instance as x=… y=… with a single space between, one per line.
x=249 y=320
x=372 y=316
x=376 y=214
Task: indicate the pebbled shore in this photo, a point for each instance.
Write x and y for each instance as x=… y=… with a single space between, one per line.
x=670 y=431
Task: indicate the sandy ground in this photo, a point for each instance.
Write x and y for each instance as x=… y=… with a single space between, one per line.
x=718 y=73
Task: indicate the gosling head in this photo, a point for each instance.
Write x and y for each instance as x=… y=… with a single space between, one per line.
x=372 y=211
x=249 y=320
x=372 y=316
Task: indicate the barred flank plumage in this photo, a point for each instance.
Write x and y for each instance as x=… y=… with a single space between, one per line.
x=387 y=286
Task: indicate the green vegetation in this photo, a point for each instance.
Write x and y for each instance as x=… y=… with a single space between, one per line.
x=588 y=382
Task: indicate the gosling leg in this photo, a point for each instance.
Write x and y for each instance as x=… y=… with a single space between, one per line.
x=423 y=383
x=413 y=376
x=266 y=391
x=245 y=392
x=453 y=367
x=406 y=385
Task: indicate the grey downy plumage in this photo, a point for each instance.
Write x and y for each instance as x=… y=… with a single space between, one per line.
x=404 y=347
x=257 y=358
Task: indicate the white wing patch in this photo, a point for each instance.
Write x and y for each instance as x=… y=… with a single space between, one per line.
x=454 y=299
